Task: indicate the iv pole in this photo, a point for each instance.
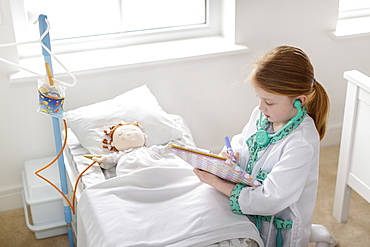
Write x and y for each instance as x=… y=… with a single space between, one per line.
x=57 y=136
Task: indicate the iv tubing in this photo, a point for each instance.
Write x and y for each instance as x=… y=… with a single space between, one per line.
x=70 y=203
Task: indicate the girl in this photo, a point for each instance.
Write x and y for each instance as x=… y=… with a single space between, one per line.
x=279 y=146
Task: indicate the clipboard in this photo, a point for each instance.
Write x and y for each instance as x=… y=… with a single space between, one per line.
x=215 y=164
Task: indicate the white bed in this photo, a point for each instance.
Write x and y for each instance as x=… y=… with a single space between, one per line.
x=160 y=205
x=353 y=166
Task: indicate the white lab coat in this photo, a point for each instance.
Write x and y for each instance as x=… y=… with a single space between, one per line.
x=289 y=191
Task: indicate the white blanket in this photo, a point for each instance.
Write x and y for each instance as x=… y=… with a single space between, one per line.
x=158 y=206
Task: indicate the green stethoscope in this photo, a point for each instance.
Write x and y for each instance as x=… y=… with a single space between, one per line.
x=263 y=137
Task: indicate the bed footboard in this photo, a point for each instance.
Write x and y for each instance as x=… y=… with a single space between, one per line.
x=354 y=165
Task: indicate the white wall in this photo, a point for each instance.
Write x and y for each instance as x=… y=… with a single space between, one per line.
x=200 y=90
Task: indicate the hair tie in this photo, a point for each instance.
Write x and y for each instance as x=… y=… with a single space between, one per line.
x=314 y=80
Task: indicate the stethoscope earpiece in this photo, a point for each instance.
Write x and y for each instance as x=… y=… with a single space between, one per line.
x=297 y=103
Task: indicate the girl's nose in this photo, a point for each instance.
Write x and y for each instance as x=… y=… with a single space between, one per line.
x=261 y=107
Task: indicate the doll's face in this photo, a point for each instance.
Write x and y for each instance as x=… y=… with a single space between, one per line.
x=128 y=136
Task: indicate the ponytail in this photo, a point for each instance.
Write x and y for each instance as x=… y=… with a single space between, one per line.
x=317 y=107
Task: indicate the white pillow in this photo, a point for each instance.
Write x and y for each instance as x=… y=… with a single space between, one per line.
x=89 y=122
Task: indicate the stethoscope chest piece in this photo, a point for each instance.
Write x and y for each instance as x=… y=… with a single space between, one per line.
x=262 y=137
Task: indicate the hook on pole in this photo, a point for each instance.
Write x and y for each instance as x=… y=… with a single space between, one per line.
x=44 y=41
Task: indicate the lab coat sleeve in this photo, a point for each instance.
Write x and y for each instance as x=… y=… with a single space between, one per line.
x=285 y=183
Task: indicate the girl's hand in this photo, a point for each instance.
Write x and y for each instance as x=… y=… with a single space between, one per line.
x=227 y=156
x=214 y=181
x=206 y=177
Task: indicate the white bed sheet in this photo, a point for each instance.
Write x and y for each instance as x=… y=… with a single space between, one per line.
x=97 y=179
x=158 y=206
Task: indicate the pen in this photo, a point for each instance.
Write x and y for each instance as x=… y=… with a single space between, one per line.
x=229 y=149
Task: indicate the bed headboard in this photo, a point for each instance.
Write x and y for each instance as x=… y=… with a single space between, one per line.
x=354 y=164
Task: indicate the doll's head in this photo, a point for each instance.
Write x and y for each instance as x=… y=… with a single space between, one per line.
x=124 y=136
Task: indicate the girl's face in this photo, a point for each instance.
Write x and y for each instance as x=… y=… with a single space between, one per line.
x=278 y=109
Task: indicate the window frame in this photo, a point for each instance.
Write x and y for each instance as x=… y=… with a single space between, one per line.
x=212 y=27
x=347 y=14
x=347 y=19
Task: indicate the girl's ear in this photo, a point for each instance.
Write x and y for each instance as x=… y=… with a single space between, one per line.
x=302 y=98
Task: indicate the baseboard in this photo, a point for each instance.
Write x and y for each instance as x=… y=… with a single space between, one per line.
x=11 y=199
x=333 y=136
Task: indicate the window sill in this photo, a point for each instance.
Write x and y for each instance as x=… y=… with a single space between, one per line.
x=90 y=62
x=352 y=27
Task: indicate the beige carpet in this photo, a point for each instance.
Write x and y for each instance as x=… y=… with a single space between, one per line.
x=356 y=232
x=15 y=233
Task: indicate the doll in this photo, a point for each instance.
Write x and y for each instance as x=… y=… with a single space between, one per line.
x=124 y=137
x=129 y=153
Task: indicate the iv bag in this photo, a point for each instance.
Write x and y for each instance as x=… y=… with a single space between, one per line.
x=51 y=98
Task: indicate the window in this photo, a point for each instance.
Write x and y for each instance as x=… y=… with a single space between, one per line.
x=213 y=34
x=78 y=25
x=81 y=18
x=353 y=17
